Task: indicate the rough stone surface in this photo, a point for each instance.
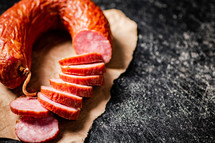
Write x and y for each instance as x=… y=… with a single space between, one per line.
x=167 y=92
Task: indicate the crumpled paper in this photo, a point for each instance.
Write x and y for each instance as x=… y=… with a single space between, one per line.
x=55 y=45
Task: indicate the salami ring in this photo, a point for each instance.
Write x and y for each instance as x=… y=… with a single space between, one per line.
x=24 y=22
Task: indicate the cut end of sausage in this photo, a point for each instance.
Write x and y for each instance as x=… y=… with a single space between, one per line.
x=28 y=106
x=91 y=41
x=30 y=129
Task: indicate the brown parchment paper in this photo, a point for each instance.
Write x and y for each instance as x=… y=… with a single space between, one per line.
x=55 y=45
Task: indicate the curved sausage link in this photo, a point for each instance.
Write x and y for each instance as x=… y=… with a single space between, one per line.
x=24 y=22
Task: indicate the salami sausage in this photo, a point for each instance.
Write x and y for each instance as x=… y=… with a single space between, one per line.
x=92 y=80
x=24 y=22
x=79 y=90
x=62 y=97
x=28 y=106
x=30 y=129
x=88 y=69
x=82 y=59
x=66 y=112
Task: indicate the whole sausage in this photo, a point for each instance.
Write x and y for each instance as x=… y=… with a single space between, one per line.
x=24 y=22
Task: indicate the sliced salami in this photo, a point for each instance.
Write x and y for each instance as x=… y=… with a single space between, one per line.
x=92 y=41
x=79 y=90
x=63 y=111
x=62 y=97
x=86 y=58
x=22 y=24
x=30 y=129
x=28 y=106
x=92 y=80
x=87 y=69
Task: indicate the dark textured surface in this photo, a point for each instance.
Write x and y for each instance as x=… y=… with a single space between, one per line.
x=166 y=94
x=5 y=4
x=7 y=140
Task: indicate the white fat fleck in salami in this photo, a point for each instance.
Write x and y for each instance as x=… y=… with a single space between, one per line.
x=30 y=129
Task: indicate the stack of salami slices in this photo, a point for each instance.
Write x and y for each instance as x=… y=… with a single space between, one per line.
x=36 y=124
x=79 y=74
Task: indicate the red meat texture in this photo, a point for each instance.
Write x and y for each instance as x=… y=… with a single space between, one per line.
x=30 y=129
x=27 y=20
x=62 y=97
x=63 y=111
x=28 y=106
x=93 y=80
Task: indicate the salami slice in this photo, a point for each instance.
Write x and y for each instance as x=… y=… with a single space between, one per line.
x=30 y=129
x=28 y=106
x=62 y=97
x=95 y=42
x=79 y=90
x=87 y=69
x=66 y=112
x=93 y=80
x=86 y=58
